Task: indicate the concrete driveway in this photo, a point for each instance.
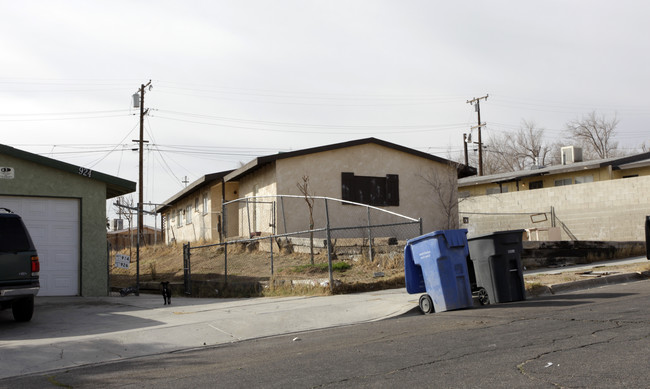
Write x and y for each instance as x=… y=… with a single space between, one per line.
x=72 y=331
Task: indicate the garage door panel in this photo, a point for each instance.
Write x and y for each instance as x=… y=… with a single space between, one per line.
x=62 y=260
x=66 y=210
x=11 y=203
x=64 y=232
x=39 y=231
x=34 y=209
x=53 y=224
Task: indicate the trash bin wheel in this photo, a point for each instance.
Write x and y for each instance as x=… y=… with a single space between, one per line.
x=426 y=304
x=483 y=297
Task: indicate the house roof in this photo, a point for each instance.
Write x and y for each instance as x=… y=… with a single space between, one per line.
x=191 y=188
x=617 y=163
x=259 y=162
x=115 y=186
x=133 y=229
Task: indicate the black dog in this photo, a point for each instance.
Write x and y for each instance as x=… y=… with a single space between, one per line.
x=166 y=293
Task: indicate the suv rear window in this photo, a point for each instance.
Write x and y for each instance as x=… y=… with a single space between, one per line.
x=13 y=237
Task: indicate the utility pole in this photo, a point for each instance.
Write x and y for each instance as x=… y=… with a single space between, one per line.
x=477 y=107
x=141 y=142
x=466 y=139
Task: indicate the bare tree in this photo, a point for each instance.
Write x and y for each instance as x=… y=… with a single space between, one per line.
x=512 y=152
x=123 y=208
x=309 y=199
x=595 y=134
x=444 y=189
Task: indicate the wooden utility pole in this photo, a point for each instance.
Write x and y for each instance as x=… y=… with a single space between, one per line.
x=141 y=142
x=477 y=107
x=466 y=139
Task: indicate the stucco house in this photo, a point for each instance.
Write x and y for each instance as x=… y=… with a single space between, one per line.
x=64 y=208
x=369 y=171
x=605 y=199
x=194 y=214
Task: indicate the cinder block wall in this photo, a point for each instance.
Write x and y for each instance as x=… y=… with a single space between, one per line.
x=612 y=210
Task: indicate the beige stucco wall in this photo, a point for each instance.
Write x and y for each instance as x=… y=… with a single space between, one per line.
x=612 y=210
x=32 y=179
x=204 y=226
x=324 y=171
x=256 y=215
x=601 y=174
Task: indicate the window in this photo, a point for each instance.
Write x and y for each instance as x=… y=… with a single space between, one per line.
x=463 y=194
x=205 y=203
x=563 y=182
x=180 y=217
x=188 y=215
x=196 y=204
x=536 y=185
x=584 y=179
x=490 y=191
x=376 y=191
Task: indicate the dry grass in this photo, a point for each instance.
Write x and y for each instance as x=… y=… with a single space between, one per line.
x=165 y=263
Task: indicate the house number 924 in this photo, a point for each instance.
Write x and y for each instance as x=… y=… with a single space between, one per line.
x=85 y=172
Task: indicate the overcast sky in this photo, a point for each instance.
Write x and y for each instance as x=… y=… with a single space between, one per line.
x=237 y=79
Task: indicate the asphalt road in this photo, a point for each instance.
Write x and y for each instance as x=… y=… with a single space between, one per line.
x=598 y=338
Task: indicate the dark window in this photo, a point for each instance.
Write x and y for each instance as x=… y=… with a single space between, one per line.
x=13 y=237
x=536 y=185
x=563 y=182
x=376 y=191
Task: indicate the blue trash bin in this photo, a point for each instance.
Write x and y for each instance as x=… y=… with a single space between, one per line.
x=436 y=263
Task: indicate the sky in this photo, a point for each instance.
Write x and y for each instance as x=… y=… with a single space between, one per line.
x=233 y=80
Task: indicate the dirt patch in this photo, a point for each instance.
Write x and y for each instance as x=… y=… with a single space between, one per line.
x=562 y=276
x=165 y=263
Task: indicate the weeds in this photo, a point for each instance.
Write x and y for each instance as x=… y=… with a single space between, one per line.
x=317 y=268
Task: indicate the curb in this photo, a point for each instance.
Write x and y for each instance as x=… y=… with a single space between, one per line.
x=597 y=282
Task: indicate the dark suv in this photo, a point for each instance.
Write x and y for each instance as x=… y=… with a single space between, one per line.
x=19 y=267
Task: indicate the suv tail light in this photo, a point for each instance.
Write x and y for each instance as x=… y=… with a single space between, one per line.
x=36 y=266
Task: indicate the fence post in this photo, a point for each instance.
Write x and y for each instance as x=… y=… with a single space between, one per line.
x=187 y=272
x=420 y=220
x=274 y=219
x=225 y=262
x=271 y=243
x=248 y=216
x=329 y=246
x=369 y=235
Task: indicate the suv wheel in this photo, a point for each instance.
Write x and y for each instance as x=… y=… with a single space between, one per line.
x=23 y=308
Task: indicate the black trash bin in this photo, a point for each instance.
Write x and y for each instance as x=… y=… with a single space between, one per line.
x=496 y=259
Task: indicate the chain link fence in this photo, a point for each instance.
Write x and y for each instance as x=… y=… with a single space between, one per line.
x=263 y=233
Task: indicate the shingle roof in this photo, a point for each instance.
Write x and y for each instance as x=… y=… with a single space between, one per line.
x=615 y=162
x=191 y=188
x=261 y=161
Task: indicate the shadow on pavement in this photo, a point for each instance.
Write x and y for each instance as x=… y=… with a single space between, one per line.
x=563 y=300
x=73 y=319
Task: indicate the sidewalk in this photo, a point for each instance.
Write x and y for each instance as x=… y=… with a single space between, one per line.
x=588 y=283
x=72 y=331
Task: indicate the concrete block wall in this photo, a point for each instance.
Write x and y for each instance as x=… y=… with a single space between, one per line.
x=613 y=210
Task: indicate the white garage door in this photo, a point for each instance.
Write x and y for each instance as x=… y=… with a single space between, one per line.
x=53 y=224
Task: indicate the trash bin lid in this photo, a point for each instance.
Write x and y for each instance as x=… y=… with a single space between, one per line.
x=454 y=238
x=483 y=236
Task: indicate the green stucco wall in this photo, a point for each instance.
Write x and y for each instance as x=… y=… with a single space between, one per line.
x=33 y=179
